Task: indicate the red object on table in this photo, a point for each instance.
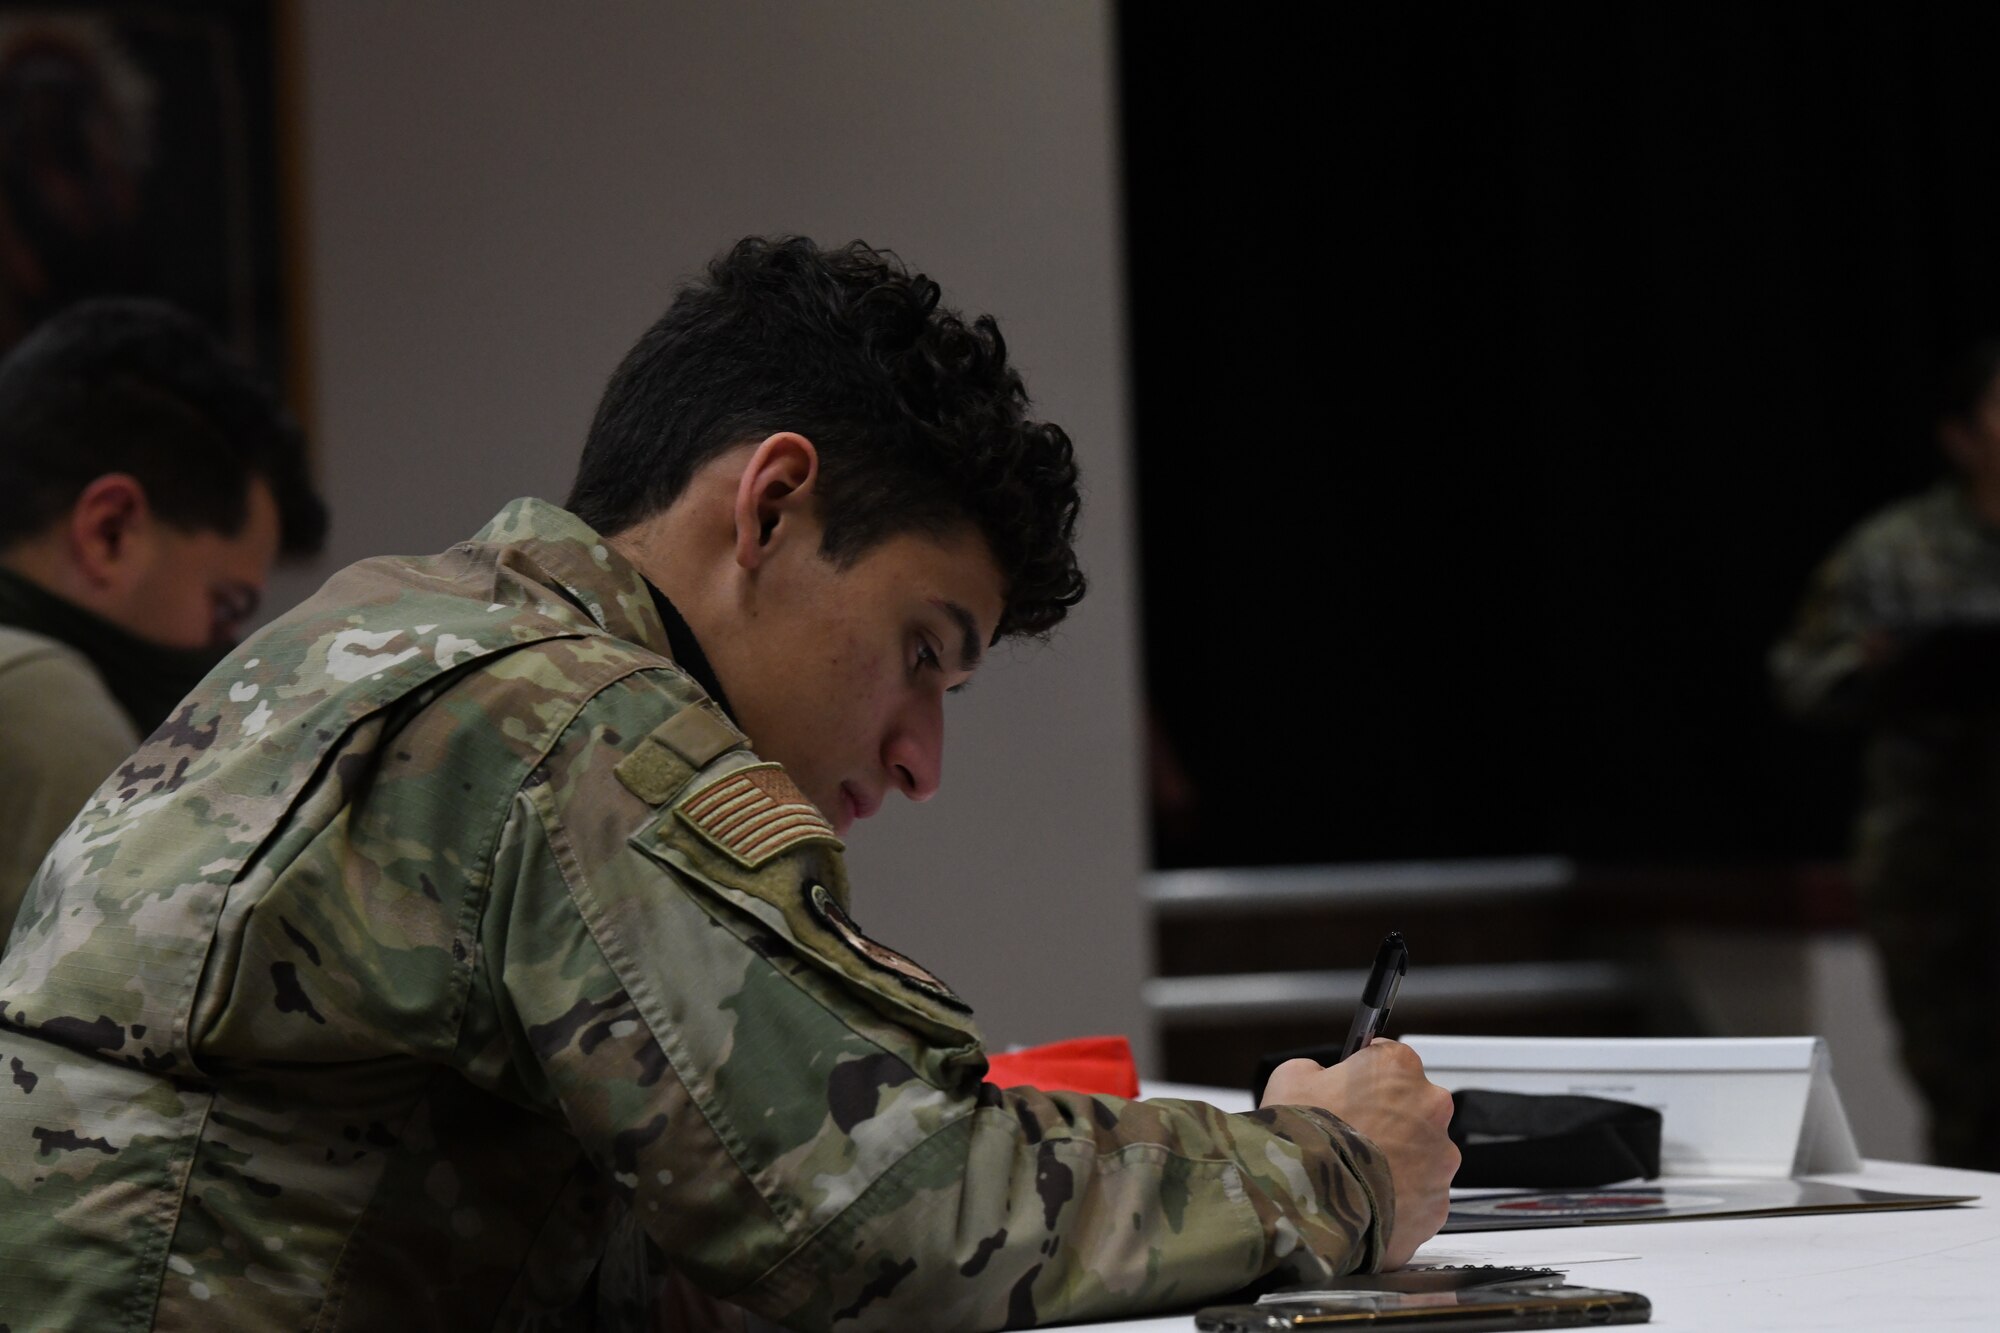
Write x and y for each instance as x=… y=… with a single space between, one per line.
x=1081 y=1064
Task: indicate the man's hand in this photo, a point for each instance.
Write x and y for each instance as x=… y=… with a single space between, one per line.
x=1381 y=1091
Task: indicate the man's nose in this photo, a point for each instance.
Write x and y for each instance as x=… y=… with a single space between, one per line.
x=914 y=753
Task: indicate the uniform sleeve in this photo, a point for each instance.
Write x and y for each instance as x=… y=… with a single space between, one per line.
x=1819 y=666
x=797 y=1114
x=64 y=735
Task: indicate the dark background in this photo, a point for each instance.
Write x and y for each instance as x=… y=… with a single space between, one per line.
x=1501 y=372
x=139 y=156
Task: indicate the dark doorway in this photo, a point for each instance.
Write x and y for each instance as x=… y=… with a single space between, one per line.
x=1500 y=373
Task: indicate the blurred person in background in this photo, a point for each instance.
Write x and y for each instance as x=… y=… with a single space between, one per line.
x=147 y=483
x=1900 y=634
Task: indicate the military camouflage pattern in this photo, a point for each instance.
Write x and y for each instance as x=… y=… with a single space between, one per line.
x=1927 y=843
x=391 y=985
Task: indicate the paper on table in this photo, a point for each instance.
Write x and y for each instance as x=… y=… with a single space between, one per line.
x=1458 y=1255
x=1674 y=1201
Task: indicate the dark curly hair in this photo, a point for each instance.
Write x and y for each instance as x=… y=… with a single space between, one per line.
x=920 y=423
x=138 y=386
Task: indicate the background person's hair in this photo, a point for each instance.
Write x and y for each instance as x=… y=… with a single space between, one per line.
x=142 y=388
x=920 y=423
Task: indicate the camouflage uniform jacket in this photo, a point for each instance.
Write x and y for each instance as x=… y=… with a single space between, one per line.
x=447 y=923
x=1931 y=804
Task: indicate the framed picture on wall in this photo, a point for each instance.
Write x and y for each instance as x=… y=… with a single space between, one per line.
x=139 y=156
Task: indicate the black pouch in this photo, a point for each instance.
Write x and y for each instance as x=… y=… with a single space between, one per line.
x=1513 y=1140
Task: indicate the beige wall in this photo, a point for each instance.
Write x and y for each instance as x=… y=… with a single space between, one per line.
x=501 y=196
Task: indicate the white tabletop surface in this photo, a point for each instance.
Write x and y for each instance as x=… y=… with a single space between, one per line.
x=1934 y=1268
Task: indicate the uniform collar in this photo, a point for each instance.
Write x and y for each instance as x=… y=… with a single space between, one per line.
x=593 y=578
x=146 y=678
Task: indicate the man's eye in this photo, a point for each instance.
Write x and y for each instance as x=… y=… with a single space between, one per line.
x=925 y=657
x=230 y=609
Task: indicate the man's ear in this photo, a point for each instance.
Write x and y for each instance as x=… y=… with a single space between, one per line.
x=108 y=527
x=775 y=497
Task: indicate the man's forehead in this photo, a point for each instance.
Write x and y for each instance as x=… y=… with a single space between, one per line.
x=961 y=578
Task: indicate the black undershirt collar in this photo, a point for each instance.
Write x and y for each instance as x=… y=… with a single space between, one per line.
x=147 y=679
x=687 y=652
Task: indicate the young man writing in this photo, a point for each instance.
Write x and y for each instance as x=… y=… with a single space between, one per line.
x=486 y=906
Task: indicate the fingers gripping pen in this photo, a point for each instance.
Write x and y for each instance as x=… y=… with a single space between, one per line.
x=1392 y=960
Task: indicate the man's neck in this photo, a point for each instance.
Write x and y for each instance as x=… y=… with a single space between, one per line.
x=1984 y=495
x=145 y=678
x=687 y=649
x=678 y=564
x=41 y=561
x=680 y=572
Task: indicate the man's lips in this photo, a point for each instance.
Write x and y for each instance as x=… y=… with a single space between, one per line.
x=857 y=804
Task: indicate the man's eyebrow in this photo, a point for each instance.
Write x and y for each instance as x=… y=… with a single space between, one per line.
x=970 y=650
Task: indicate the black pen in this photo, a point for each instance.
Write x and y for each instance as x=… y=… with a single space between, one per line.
x=1392 y=960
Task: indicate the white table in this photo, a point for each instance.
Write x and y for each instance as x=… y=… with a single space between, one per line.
x=1930 y=1269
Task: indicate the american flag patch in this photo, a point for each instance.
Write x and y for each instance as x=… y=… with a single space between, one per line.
x=755 y=813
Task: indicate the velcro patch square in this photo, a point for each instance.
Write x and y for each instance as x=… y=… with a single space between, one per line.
x=697 y=735
x=753 y=814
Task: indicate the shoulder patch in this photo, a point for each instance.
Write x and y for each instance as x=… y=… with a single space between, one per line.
x=754 y=813
x=878 y=956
